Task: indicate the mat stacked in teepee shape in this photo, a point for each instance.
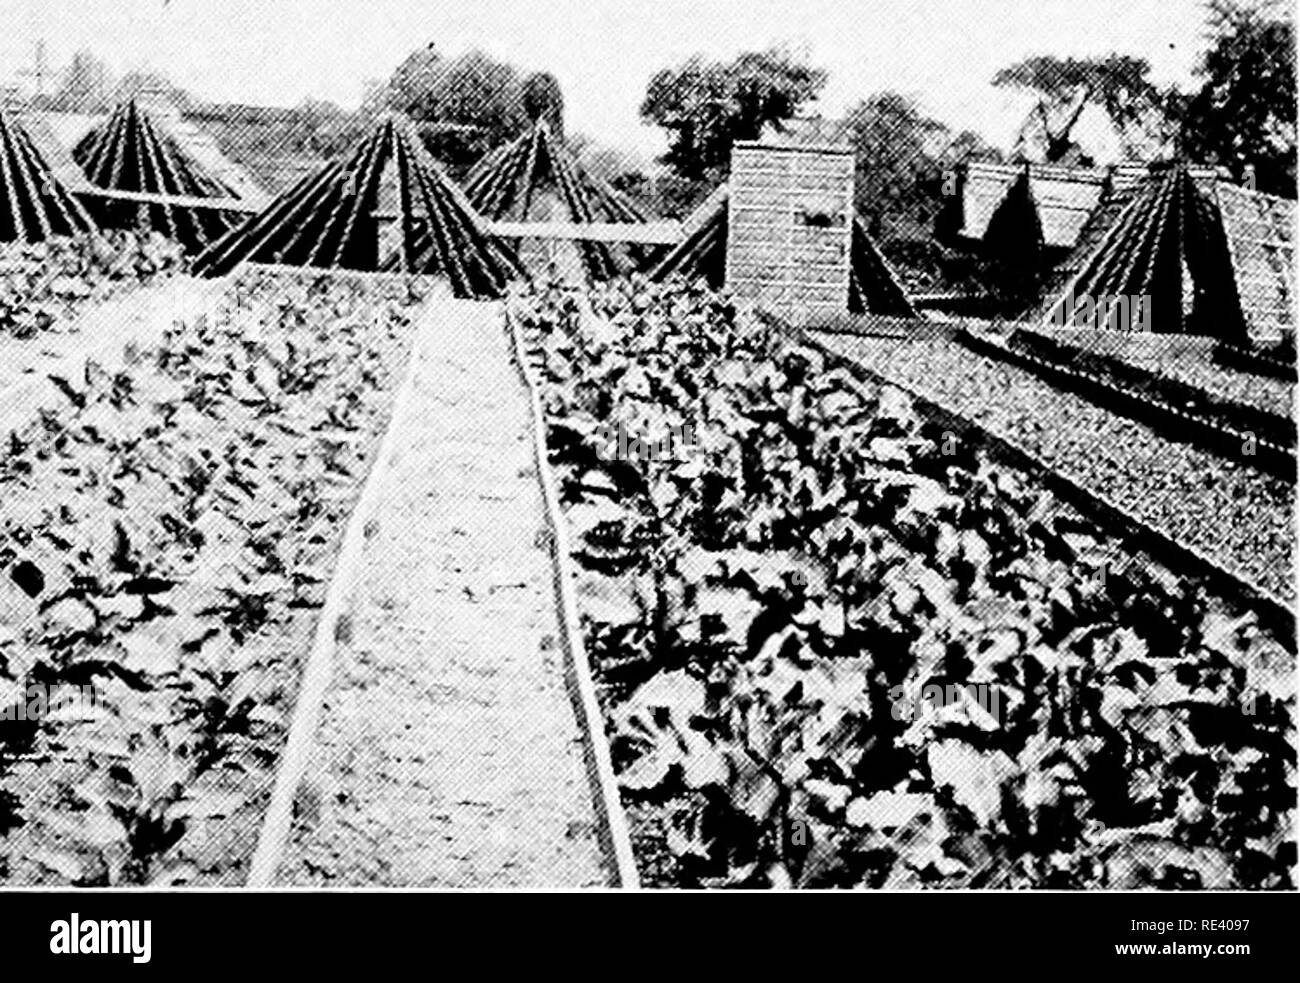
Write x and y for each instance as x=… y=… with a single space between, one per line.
x=385 y=206
x=132 y=153
x=1208 y=256
x=34 y=204
x=535 y=174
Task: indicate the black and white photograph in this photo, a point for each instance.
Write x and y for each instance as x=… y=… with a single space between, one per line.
x=676 y=448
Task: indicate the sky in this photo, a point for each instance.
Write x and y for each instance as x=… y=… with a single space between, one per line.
x=277 y=52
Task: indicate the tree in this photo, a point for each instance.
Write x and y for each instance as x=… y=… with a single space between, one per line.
x=1119 y=84
x=468 y=104
x=543 y=99
x=638 y=186
x=969 y=145
x=892 y=141
x=705 y=105
x=317 y=128
x=84 y=87
x=1244 y=115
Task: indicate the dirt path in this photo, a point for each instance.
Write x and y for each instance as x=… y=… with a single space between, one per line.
x=448 y=753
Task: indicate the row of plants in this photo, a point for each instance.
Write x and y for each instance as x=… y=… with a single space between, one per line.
x=1169 y=407
x=168 y=535
x=1274 y=359
x=1185 y=380
x=838 y=648
x=45 y=284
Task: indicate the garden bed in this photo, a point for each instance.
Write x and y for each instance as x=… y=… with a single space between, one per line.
x=58 y=297
x=1176 y=371
x=44 y=285
x=836 y=650
x=1226 y=509
x=168 y=536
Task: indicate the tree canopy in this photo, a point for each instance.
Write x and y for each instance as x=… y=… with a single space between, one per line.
x=892 y=141
x=1119 y=84
x=85 y=86
x=469 y=103
x=543 y=99
x=1244 y=115
x=706 y=105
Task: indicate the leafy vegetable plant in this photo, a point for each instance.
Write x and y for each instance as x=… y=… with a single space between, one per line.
x=837 y=651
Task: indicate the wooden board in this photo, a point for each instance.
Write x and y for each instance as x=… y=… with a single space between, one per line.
x=1260 y=233
x=179 y=201
x=790 y=227
x=650 y=233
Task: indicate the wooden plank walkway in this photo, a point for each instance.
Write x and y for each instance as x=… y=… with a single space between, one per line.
x=448 y=752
